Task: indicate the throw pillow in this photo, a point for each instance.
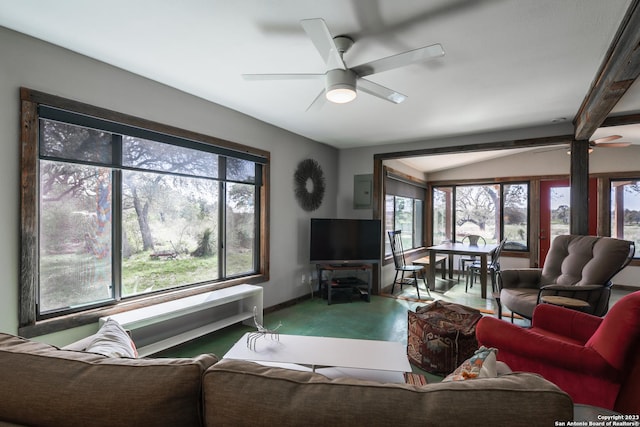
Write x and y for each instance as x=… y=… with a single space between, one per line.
x=481 y=365
x=112 y=340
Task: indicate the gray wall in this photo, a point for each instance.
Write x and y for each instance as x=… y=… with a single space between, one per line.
x=37 y=65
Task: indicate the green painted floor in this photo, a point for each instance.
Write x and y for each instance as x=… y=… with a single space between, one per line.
x=384 y=318
x=381 y=319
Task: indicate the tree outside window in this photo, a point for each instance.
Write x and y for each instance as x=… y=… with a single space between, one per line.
x=477 y=207
x=492 y=211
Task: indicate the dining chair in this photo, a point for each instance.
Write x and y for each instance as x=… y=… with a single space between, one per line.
x=493 y=268
x=395 y=239
x=471 y=240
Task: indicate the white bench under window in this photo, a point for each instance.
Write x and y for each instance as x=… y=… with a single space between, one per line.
x=168 y=324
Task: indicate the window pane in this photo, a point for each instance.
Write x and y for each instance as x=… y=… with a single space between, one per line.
x=157 y=156
x=404 y=220
x=442 y=214
x=516 y=202
x=65 y=141
x=477 y=211
x=418 y=209
x=560 y=211
x=389 y=221
x=75 y=235
x=625 y=211
x=240 y=231
x=241 y=170
x=169 y=231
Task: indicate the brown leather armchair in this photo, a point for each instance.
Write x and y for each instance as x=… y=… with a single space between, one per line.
x=579 y=267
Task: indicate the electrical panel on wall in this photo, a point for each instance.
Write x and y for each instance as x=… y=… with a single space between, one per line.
x=363 y=191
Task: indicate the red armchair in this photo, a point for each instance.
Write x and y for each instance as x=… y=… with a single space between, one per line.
x=595 y=360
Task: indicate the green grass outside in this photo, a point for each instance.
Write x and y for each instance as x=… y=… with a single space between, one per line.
x=69 y=280
x=141 y=273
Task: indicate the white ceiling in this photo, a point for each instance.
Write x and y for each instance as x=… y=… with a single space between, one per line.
x=440 y=162
x=509 y=63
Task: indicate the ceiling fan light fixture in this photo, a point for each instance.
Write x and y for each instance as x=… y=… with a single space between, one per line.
x=341 y=95
x=340 y=86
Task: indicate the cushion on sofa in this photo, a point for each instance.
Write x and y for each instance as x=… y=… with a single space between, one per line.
x=482 y=364
x=113 y=341
x=275 y=396
x=45 y=386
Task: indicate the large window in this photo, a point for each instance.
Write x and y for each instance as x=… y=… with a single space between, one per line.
x=492 y=211
x=124 y=211
x=625 y=210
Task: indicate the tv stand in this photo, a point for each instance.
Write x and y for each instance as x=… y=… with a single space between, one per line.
x=350 y=285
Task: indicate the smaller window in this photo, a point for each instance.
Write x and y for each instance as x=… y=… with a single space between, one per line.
x=625 y=210
x=442 y=217
x=403 y=220
x=515 y=216
x=404 y=209
x=404 y=214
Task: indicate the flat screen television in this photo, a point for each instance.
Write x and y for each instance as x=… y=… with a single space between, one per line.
x=345 y=241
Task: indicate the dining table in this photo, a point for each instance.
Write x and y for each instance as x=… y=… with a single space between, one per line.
x=481 y=251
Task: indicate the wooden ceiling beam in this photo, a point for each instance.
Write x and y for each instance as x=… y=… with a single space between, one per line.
x=618 y=71
x=628 y=119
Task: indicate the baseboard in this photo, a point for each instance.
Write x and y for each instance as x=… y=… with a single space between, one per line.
x=286 y=304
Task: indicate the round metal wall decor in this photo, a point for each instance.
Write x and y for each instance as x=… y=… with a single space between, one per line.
x=309 y=185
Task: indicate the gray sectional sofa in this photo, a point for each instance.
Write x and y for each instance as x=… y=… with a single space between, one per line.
x=46 y=386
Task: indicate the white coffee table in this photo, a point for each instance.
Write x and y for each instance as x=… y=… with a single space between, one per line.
x=333 y=357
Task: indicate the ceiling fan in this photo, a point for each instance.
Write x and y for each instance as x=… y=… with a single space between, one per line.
x=606 y=142
x=340 y=81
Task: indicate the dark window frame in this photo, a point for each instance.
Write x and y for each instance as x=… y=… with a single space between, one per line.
x=31 y=101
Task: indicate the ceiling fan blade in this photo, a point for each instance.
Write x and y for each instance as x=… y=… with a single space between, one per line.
x=319 y=34
x=380 y=91
x=318 y=102
x=612 y=145
x=606 y=139
x=399 y=60
x=301 y=76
